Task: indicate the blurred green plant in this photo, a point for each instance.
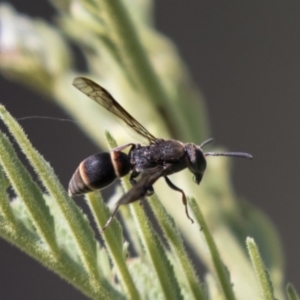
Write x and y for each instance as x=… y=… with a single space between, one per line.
x=124 y=53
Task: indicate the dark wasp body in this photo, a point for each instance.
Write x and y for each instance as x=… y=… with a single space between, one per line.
x=159 y=159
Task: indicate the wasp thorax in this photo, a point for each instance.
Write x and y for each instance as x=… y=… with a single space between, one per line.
x=98 y=171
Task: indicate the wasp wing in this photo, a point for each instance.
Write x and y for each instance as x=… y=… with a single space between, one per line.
x=139 y=190
x=105 y=99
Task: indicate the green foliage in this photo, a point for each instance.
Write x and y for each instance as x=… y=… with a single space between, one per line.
x=292 y=293
x=136 y=64
x=261 y=272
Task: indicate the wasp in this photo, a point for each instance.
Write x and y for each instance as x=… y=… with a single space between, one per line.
x=160 y=158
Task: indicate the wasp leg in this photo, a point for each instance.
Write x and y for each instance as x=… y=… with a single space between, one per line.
x=122 y=147
x=133 y=175
x=110 y=218
x=150 y=191
x=132 y=180
x=184 y=200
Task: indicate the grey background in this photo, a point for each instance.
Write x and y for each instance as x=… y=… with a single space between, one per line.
x=244 y=55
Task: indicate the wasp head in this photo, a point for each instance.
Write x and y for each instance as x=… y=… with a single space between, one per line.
x=196 y=161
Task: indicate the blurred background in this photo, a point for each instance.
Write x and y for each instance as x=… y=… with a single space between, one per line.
x=245 y=58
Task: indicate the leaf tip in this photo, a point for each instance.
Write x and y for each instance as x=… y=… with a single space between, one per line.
x=2 y=109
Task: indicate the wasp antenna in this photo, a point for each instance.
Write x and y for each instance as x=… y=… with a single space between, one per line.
x=206 y=142
x=234 y=154
x=45 y=118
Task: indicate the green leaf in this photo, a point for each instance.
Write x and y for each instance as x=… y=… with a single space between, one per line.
x=261 y=272
x=292 y=293
x=219 y=267
x=113 y=239
x=29 y=192
x=74 y=225
x=181 y=260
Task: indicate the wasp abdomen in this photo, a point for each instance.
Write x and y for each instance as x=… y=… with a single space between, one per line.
x=98 y=171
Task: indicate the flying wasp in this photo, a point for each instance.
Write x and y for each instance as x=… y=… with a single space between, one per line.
x=160 y=158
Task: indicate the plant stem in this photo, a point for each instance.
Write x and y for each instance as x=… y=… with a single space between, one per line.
x=113 y=240
x=133 y=54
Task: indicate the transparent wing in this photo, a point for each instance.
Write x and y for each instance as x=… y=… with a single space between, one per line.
x=105 y=99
